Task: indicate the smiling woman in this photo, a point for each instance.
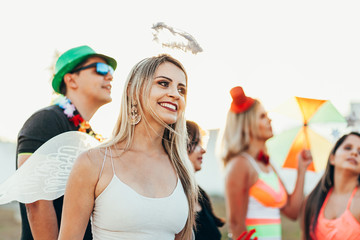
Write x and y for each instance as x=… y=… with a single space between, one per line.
x=138 y=185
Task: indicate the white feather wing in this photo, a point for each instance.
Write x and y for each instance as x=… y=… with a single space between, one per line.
x=45 y=173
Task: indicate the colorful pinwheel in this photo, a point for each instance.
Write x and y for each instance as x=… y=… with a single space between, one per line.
x=320 y=123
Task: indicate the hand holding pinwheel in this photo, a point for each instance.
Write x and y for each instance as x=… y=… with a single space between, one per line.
x=304 y=160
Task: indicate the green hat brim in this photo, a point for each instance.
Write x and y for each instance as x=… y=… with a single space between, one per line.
x=58 y=78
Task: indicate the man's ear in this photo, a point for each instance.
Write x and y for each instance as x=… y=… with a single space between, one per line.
x=70 y=81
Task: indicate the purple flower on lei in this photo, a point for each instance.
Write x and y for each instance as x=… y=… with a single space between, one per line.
x=69 y=110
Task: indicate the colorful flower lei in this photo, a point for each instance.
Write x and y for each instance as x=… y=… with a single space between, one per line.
x=74 y=116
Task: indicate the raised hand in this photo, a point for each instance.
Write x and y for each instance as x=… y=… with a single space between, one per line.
x=304 y=159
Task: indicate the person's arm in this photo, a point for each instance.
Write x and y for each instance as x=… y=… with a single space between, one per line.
x=295 y=200
x=41 y=214
x=79 y=198
x=39 y=128
x=237 y=194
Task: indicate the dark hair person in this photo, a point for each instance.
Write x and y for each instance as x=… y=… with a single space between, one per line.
x=83 y=77
x=332 y=208
x=207 y=223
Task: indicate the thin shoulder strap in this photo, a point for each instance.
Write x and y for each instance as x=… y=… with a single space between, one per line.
x=103 y=164
x=252 y=161
x=112 y=162
x=352 y=196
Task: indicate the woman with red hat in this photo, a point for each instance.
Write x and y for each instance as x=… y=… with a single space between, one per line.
x=255 y=195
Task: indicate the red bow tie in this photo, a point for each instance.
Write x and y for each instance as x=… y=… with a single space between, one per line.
x=262 y=157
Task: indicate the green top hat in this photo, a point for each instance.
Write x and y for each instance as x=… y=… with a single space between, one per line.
x=73 y=57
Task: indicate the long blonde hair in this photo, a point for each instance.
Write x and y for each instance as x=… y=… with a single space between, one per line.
x=138 y=86
x=235 y=137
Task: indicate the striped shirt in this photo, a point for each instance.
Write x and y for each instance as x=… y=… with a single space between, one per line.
x=267 y=196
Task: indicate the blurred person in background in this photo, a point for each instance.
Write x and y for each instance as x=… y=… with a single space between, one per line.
x=254 y=193
x=207 y=223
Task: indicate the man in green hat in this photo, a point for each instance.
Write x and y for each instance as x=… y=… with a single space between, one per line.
x=83 y=80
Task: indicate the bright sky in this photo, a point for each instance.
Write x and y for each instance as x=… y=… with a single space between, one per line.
x=274 y=49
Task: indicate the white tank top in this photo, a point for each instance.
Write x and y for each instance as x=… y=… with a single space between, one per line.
x=123 y=214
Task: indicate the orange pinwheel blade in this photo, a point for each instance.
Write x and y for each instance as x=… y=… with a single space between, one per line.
x=300 y=142
x=308 y=107
x=319 y=146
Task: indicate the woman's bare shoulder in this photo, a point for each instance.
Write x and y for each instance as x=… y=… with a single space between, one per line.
x=238 y=161
x=237 y=165
x=90 y=160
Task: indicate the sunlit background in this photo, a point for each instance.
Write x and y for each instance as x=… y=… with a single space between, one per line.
x=274 y=49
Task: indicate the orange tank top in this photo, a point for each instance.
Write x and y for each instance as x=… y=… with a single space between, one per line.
x=343 y=227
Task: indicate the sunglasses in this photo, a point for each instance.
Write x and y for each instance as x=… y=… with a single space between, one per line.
x=101 y=68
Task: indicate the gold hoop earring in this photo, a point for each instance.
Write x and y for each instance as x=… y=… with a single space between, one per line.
x=135 y=117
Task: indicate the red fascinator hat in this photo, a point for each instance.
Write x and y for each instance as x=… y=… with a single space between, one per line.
x=241 y=103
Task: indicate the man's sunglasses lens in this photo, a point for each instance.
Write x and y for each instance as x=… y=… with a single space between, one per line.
x=103 y=69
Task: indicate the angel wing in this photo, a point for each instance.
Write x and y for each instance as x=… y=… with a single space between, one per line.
x=45 y=173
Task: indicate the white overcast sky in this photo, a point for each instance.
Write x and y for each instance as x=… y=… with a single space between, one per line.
x=274 y=49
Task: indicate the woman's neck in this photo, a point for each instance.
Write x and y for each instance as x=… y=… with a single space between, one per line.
x=255 y=147
x=147 y=137
x=345 y=181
